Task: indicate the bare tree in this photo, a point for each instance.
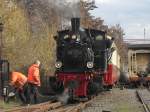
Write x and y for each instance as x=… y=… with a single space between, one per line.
x=118 y=33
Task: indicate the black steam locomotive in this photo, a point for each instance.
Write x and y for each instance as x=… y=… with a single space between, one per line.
x=82 y=59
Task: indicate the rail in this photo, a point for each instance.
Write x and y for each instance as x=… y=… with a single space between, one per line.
x=142 y=100
x=52 y=107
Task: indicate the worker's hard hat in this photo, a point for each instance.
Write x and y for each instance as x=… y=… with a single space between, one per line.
x=37 y=62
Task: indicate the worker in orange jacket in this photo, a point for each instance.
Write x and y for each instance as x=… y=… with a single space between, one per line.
x=19 y=82
x=34 y=80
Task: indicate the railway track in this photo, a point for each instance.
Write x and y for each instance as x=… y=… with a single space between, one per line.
x=33 y=108
x=52 y=107
x=144 y=97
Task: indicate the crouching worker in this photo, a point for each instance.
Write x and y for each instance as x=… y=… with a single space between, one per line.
x=19 y=82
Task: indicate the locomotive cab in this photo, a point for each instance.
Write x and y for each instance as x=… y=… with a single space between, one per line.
x=101 y=47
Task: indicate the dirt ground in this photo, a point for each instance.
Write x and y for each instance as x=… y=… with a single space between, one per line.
x=116 y=101
x=15 y=102
x=10 y=105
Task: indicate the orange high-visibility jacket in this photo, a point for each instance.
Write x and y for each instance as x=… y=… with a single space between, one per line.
x=18 y=80
x=33 y=75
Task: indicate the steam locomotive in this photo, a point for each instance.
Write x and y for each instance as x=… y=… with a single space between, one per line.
x=82 y=60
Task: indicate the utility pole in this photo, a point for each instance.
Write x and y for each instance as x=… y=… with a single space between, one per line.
x=144 y=34
x=1 y=80
x=1 y=44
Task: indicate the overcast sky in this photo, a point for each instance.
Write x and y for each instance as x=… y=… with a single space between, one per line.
x=132 y=15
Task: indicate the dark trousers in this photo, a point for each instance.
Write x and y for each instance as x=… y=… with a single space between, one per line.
x=33 y=92
x=23 y=94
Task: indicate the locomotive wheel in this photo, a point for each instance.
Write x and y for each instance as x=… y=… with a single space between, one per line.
x=99 y=82
x=56 y=86
x=111 y=86
x=148 y=84
x=92 y=88
x=71 y=96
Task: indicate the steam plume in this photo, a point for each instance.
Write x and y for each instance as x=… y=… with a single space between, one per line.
x=68 y=8
x=48 y=12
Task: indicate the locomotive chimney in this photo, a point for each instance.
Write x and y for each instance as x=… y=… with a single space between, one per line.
x=75 y=23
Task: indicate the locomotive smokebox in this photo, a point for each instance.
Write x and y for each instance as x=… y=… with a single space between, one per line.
x=75 y=23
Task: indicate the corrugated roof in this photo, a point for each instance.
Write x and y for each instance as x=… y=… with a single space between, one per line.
x=139 y=46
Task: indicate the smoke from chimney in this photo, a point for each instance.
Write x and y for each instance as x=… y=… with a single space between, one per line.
x=68 y=8
x=42 y=12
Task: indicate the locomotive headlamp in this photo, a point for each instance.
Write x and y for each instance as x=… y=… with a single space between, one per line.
x=66 y=36
x=73 y=36
x=58 y=64
x=90 y=64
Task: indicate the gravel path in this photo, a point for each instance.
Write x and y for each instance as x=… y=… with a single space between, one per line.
x=116 y=101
